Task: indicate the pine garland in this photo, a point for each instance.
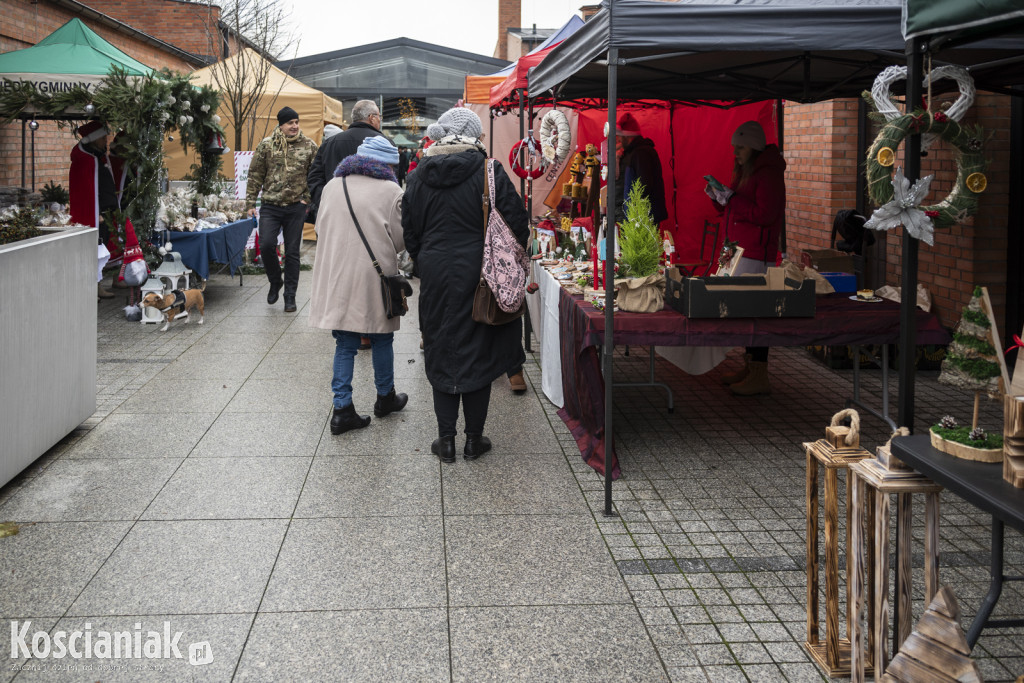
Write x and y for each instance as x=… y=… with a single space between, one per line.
x=144 y=110
x=961 y=202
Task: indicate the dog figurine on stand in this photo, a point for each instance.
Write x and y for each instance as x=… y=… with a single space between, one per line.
x=175 y=302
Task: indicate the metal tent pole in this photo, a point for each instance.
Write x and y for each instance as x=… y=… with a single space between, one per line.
x=609 y=287
x=908 y=299
x=522 y=134
x=23 y=124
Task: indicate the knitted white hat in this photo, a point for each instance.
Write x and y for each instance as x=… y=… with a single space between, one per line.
x=456 y=121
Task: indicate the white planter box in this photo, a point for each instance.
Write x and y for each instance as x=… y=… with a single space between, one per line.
x=47 y=343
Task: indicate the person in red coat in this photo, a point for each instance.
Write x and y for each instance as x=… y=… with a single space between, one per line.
x=95 y=181
x=753 y=206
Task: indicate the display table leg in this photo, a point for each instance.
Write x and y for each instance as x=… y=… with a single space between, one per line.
x=881 y=598
x=813 y=636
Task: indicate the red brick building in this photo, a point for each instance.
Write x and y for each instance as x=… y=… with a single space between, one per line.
x=159 y=33
x=826 y=159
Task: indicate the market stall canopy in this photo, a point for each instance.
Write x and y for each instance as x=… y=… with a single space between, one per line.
x=478 y=88
x=745 y=50
x=315 y=109
x=73 y=55
x=961 y=20
x=516 y=80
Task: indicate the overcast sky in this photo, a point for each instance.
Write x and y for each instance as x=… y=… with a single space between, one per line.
x=471 y=25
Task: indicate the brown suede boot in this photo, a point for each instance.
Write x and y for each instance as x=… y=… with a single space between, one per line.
x=518 y=383
x=740 y=374
x=755 y=383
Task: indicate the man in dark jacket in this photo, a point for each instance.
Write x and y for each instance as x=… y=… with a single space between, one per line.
x=640 y=161
x=365 y=124
x=403 y=165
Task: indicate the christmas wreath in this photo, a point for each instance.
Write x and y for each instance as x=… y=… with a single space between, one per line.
x=962 y=201
x=532 y=151
x=555 y=137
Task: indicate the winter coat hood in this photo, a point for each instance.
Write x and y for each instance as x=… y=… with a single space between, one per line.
x=441 y=170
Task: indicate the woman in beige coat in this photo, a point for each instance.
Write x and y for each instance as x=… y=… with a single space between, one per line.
x=346 y=287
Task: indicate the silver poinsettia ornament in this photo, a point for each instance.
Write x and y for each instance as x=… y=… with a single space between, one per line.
x=904 y=209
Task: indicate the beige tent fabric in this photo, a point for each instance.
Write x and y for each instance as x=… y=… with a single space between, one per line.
x=314 y=108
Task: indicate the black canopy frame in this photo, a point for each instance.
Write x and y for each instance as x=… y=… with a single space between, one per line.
x=747 y=50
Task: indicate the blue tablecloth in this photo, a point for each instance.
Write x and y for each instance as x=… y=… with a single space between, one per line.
x=225 y=244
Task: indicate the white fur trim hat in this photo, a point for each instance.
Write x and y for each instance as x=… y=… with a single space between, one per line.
x=456 y=121
x=749 y=134
x=94 y=130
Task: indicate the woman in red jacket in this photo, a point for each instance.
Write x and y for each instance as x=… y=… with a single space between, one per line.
x=753 y=207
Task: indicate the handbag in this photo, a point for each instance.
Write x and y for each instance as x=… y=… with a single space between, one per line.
x=500 y=295
x=393 y=288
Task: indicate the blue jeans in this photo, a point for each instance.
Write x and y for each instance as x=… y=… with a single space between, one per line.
x=345 y=350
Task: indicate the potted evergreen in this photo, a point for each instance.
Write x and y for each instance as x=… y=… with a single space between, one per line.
x=642 y=290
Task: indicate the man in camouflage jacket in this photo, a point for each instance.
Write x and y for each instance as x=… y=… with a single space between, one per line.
x=279 y=168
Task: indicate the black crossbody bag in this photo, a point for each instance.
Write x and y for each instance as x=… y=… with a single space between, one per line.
x=393 y=288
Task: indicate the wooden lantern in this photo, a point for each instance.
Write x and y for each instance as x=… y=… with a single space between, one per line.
x=1013 y=440
x=874 y=481
x=837 y=451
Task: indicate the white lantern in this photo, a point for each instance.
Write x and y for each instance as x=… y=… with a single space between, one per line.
x=152 y=286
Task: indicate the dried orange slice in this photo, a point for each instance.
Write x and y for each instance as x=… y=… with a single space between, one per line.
x=886 y=157
x=976 y=182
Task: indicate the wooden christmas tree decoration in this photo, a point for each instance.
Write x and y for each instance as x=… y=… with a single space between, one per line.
x=937 y=649
x=973 y=363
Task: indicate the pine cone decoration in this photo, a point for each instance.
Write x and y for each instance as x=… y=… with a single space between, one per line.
x=948 y=422
x=977 y=434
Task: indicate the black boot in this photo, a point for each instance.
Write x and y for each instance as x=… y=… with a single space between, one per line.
x=272 y=294
x=476 y=445
x=289 y=304
x=444 y=448
x=346 y=418
x=389 y=403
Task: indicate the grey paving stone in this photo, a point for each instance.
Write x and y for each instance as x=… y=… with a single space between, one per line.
x=366 y=563
x=497 y=560
x=165 y=396
x=408 y=432
x=230 y=342
x=527 y=484
x=577 y=643
x=46 y=565
x=263 y=435
x=198 y=364
x=223 y=488
x=283 y=395
x=90 y=490
x=157 y=435
x=12 y=661
x=370 y=486
x=315 y=369
x=361 y=645
x=191 y=567
x=225 y=634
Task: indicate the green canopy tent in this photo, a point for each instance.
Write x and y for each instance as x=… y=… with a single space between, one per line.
x=960 y=21
x=72 y=56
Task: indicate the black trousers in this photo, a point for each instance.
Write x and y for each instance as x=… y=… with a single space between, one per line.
x=274 y=219
x=474 y=407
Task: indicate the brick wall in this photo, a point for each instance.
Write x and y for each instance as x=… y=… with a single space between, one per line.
x=191 y=27
x=821 y=149
x=24 y=25
x=510 y=15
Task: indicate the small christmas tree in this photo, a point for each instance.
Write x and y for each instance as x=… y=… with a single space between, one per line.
x=972 y=361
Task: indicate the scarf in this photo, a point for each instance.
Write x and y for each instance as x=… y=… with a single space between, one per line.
x=279 y=143
x=454 y=144
x=357 y=164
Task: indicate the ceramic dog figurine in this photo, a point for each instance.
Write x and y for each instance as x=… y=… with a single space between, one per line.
x=174 y=303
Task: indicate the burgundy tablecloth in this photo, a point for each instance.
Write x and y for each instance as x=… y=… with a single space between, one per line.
x=837 y=321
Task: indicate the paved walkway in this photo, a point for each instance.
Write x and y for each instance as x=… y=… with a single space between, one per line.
x=208 y=492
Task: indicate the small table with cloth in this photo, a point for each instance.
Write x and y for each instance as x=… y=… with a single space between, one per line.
x=224 y=244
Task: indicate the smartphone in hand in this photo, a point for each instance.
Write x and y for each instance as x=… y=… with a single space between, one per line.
x=713 y=182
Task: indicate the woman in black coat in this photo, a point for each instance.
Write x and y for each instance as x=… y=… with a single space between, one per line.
x=443 y=225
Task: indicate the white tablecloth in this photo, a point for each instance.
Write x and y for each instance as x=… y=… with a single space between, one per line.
x=543 y=307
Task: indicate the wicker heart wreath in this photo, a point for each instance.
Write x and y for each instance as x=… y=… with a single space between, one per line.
x=962 y=201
